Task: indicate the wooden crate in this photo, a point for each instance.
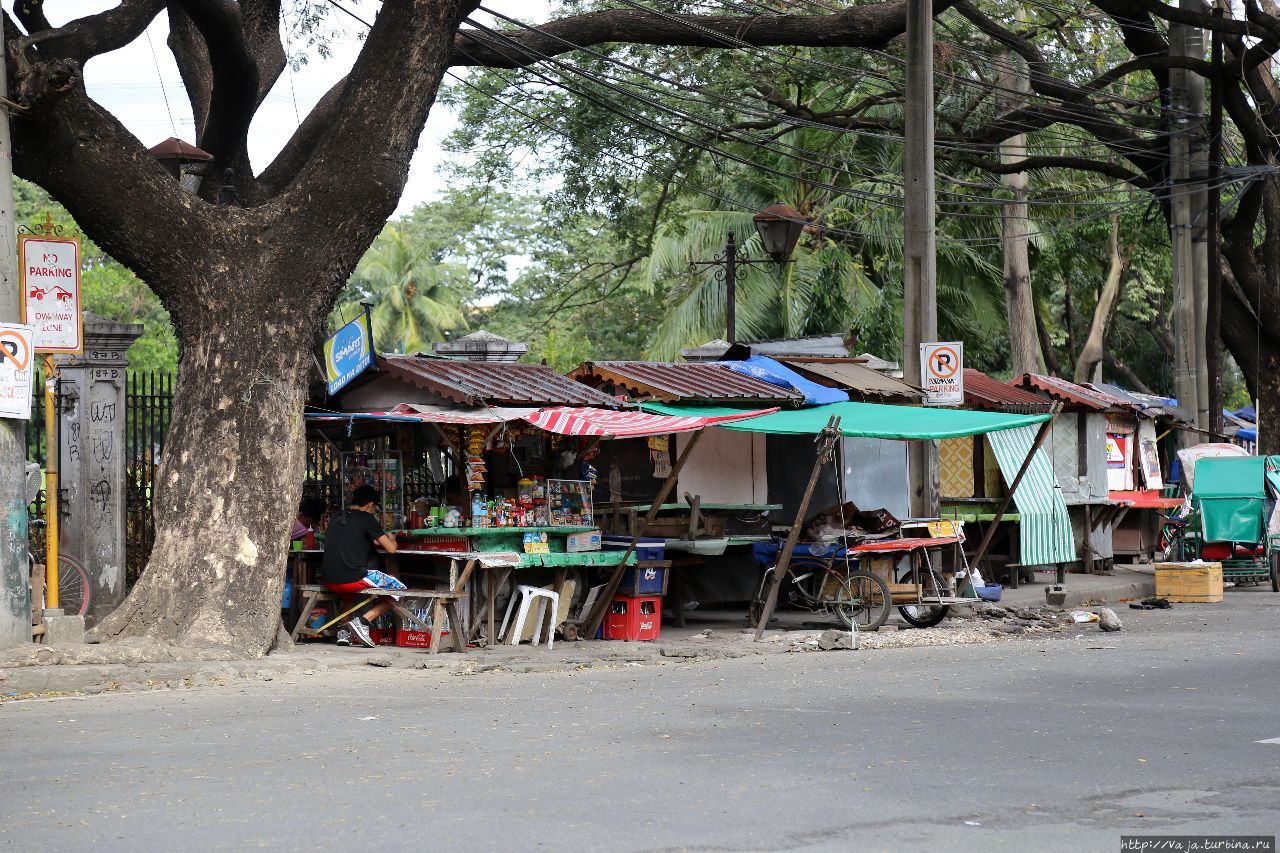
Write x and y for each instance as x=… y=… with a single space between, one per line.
x=904 y=593
x=1189 y=582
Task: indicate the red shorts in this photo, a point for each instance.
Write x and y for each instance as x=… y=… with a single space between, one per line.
x=373 y=580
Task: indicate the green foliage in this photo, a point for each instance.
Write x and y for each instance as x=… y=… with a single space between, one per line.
x=110 y=290
x=415 y=297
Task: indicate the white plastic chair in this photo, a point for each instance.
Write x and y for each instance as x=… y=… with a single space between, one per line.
x=528 y=595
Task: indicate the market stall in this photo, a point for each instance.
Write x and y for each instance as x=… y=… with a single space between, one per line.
x=525 y=493
x=1017 y=440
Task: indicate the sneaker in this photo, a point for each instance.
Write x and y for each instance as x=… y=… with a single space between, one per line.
x=344 y=637
x=360 y=632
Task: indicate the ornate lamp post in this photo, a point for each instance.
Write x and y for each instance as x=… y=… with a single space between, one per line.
x=779 y=226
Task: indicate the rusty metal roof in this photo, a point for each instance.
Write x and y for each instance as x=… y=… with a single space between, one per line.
x=690 y=383
x=1075 y=396
x=475 y=383
x=853 y=375
x=983 y=392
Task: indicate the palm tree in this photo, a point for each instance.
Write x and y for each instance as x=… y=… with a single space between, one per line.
x=415 y=298
x=848 y=276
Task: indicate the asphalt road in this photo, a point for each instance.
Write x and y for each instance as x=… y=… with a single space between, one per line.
x=1058 y=744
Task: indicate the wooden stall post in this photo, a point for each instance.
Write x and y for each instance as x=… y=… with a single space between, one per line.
x=1013 y=487
x=829 y=435
x=596 y=616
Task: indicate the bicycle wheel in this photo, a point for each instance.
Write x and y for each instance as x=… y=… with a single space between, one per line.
x=73 y=586
x=1274 y=561
x=864 y=601
x=757 y=601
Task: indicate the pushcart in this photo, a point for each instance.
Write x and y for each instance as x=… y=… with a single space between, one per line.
x=1232 y=503
x=923 y=590
x=844 y=579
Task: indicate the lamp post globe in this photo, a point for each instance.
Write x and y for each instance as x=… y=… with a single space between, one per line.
x=779 y=226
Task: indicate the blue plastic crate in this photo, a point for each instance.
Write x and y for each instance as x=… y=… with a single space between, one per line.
x=643 y=581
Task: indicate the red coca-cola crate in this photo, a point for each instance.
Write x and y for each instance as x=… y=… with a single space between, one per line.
x=407 y=639
x=383 y=636
x=634 y=618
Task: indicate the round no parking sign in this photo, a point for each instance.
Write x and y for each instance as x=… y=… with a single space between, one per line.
x=942 y=372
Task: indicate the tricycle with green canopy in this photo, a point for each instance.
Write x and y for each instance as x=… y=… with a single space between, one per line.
x=1232 y=503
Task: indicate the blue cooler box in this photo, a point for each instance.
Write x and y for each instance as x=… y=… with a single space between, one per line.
x=647 y=549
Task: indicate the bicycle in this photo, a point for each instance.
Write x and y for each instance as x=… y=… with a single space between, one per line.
x=822 y=579
x=74 y=592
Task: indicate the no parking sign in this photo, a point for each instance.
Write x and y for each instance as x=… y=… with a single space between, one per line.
x=942 y=372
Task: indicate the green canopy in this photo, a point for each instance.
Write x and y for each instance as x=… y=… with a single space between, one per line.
x=1230 y=493
x=863 y=420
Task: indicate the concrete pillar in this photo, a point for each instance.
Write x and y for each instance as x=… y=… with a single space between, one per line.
x=93 y=458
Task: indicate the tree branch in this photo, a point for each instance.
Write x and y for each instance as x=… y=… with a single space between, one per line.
x=858 y=26
x=1083 y=164
x=84 y=38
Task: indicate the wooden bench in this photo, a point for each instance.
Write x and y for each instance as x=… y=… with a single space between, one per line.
x=444 y=601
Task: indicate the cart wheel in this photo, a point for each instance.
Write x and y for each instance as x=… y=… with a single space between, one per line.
x=1275 y=571
x=864 y=601
x=924 y=615
x=757 y=601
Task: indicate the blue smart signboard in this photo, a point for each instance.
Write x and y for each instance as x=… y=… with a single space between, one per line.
x=348 y=352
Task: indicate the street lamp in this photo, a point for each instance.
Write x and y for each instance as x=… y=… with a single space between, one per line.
x=183 y=160
x=779 y=226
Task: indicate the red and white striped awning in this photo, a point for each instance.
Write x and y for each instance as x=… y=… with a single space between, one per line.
x=566 y=420
x=458 y=415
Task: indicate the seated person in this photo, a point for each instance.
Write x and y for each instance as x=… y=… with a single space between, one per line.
x=310 y=511
x=351 y=561
x=454 y=497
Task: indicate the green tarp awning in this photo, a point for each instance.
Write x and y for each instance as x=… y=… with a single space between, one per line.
x=1230 y=493
x=864 y=420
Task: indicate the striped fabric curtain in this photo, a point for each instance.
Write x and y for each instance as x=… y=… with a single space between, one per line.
x=1046 y=527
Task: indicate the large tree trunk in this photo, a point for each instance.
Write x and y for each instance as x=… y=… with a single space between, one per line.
x=1251 y=302
x=249 y=290
x=1089 y=364
x=229 y=480
x=1020 y=312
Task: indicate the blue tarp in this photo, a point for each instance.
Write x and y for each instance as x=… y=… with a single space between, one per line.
x=762 y=367
x=1248 y=413
x=1247 y=433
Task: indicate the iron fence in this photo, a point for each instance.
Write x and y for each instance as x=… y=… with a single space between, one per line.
x=148 y=410
x=36 y=452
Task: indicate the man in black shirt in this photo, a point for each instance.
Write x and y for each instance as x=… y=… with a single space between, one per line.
x=351 y=562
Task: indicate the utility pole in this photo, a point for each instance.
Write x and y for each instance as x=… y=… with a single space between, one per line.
x=15 y=590
x=1024 y=343
x=1213 y=313
x=919 y=273
x=1188 y=205
x=1199 y=169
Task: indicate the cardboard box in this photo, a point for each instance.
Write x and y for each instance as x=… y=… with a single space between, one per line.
x=576 y=543
x=1189 y=582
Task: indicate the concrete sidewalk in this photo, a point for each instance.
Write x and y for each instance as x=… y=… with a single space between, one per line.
x=1122 y=584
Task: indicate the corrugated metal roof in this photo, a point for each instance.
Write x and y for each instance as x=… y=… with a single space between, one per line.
x=682 y=382
x=475 y=383
x=983 y=392
x=1073 y=394
x=853 y=375
x=818 y=345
